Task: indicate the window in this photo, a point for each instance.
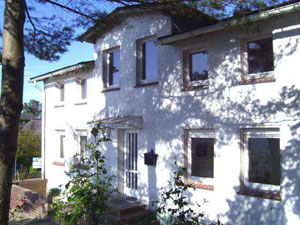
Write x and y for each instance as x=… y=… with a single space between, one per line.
x=260 y=56
x=147 y=60
x=200 y=156
x=195 y=68
x=258 y=59
x=61 y=147
x=261 y=159
x=62 y=92
x=83 y=143
x=111 y=67
x=83 y=89
x=198 y=66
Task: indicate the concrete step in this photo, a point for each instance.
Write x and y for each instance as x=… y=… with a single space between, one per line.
x=126 y=208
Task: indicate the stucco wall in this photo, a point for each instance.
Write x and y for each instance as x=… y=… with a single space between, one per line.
x=225 y=106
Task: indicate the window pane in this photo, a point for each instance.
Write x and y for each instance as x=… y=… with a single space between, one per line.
x=150 y=61
x=62 y=93
x=62 y=142
x=83 y=89
x=260 y=56
x=264 y=160
x=83 y=142
x=203 y=157
x=198 y=66
x=114 y=67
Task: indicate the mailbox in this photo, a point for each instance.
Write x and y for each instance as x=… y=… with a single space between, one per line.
x=150 y=158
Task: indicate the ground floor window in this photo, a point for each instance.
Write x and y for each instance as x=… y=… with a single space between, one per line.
x=200 y=155
x=261 y=159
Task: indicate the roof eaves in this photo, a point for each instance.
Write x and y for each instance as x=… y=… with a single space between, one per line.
x=222 y=25
x=62 y=71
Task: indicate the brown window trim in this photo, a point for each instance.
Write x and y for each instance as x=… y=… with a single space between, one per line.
x=200 y=186
x=260 y=194
x=111 y=89
x=56 y=163
x=257 y=80
x=192 y=88
x=146 y=84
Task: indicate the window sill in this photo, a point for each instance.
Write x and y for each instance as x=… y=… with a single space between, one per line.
x=192 y=88
x=111 y=89
x=80 y=103
x=60 y=105
x=57 y=163
x=200 y=186
x=260 y=194
x=257 y=80
x=146 y=84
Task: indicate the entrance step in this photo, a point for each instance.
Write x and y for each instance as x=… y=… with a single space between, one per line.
x=124 y=210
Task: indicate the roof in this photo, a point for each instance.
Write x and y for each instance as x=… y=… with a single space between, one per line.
x=183 y=18
x=27 y=116
x=283 y=8
x=65 y=70
x=33 y=125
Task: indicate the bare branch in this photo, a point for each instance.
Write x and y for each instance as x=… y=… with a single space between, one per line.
x=70 y=9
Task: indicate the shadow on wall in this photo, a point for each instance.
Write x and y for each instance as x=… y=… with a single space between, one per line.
x=226 y=104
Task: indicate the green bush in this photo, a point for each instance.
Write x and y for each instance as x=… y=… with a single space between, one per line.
x=85 y=197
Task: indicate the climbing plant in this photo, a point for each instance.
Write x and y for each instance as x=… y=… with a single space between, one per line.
x=85 y=196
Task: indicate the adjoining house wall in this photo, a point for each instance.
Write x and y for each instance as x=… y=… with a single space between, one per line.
x=166 y=110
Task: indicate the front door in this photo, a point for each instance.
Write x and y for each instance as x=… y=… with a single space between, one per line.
x=131 y=163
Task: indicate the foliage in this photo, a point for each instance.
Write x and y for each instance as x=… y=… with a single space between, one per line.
x=85 y=197
x=175 y=204
x=29 y=145
x=16 y=213
x=33 y=107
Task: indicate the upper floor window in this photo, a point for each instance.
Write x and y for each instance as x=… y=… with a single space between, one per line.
x=147 y=60
x=111 y=67
x=195 y=68
x=198 y=62
x=62 y=92
x=261 y=159
x=83 y=89
x=260 y=56
x=257 y=59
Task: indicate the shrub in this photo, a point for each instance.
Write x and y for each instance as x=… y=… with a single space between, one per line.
x=85 y=197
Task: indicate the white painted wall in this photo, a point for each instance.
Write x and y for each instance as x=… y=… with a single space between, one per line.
x=226 y=106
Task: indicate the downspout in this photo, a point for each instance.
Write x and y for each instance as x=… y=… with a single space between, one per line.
x=43 y=128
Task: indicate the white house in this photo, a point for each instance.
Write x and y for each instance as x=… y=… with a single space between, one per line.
x=220 y=97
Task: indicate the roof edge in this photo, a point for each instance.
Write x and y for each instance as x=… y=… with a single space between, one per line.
x=64 y=70
x=232 y=22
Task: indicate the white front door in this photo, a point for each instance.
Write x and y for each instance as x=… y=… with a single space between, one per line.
x=131 y=163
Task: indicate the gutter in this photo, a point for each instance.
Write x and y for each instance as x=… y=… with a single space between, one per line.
x=62 y=71
x=220 y=26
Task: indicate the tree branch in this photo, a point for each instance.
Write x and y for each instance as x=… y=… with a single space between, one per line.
x=70 y=9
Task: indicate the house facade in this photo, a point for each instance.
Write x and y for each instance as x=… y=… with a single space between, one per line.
x=222 y=100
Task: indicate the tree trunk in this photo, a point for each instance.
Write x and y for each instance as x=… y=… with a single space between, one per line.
x=11 y=97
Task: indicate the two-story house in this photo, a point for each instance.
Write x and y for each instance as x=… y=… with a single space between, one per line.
x=220 y=97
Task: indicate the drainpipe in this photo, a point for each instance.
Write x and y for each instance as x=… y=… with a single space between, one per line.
x=43 y=127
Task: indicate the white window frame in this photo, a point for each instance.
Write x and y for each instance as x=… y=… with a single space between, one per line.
x=106 y=62
x=247 y=133
x=186 y=52
x=139 y=60
x=194 y=133
x=244 y=59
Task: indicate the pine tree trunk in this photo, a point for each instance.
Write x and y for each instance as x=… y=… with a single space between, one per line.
x=11 y=97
